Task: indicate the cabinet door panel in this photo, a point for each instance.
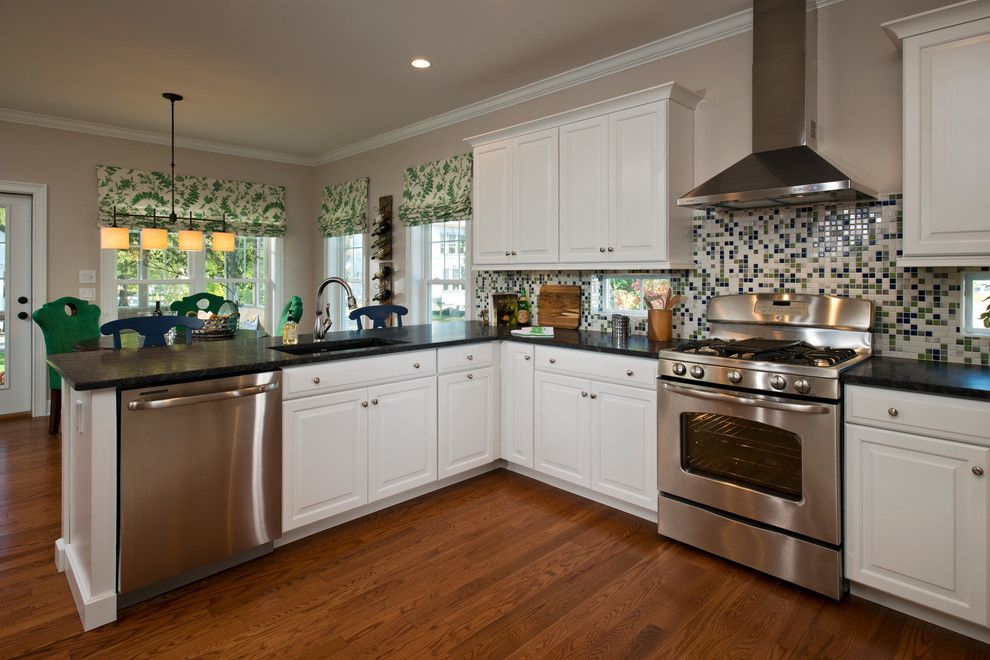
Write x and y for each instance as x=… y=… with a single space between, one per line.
x=562 y=438
x=325 y=457
x=535 y=193
x=492 y=220
x=584 y=190
x=917 y=519
x=636 y=232
x=624 y=443
x=402 y=436
x=467 y=420
x=516 y=409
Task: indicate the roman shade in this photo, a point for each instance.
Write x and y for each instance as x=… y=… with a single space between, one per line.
x=344 y=210
x=251 y=209
x=439 y=191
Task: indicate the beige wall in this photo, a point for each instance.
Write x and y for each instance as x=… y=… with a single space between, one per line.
x=67 y=161
x=859 y=110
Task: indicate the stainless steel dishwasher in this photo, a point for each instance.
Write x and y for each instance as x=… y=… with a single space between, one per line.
x=200 y=480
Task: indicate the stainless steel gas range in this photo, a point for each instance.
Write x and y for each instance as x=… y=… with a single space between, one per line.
x=750 y=433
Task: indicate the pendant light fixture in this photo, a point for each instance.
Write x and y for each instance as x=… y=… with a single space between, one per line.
x=223 y=240
x=114 y=237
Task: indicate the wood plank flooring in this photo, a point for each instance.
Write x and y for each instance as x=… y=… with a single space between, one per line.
x=500 y=566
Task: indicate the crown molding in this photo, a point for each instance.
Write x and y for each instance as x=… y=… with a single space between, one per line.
x=106 y=130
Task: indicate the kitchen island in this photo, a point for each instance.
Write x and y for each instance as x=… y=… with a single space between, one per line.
x=366 y=463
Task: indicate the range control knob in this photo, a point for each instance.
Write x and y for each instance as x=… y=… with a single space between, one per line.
x=734 y=376
x=778 y=382
x=679 y=369
x=697 y=372
x=802 y=386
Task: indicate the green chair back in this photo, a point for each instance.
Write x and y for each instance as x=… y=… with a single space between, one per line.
x=64 y=323
x=189 y=306
x=293 y=310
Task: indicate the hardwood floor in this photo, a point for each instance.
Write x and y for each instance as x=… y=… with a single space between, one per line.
x=498 y=566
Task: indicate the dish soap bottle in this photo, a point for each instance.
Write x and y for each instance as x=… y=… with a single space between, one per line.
x=158 y=309
x=524 y=313
x=290 y=332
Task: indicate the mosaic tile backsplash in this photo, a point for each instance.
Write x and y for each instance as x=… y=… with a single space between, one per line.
x=844 y=250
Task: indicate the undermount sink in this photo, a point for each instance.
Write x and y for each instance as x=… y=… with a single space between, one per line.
x=338 y=345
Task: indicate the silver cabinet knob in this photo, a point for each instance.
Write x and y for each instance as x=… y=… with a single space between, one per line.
x=892 y=412
x=364 y=404
x=611 y=249
x=629 y=372
x=584 y=394
x=415 y=365
x=697 y=371
x=374 y=402
x=553 y=360
x=470 y=376
x=601 y=249
x=778 y=382
x=977 y=470
x=513 y=253
x=528 y=358
x=594 y=396
x=470 y=357
x=316 y=380
x=506 y=253
x=734 y=376
x=679 y=369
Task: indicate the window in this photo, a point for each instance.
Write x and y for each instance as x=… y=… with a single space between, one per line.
x=630 y=294
x=976 y=303
x=135 y=279
x=345 y=259
x=446 y=268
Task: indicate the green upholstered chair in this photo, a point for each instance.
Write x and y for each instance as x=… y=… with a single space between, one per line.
x=293 y=310
x=64 y=322
x=190 y=305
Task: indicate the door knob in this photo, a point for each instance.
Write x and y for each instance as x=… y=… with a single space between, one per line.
x=553 y=360
x=374 y=402
x=316 y=381
x=977 y=470
x=629 y=372
x=611 y=249
x=364 y=404
x=470 y=357
x=513 y=253
x=892 y=412
x=415 y=365
x=594 y=396
x=584 y=394
x=22 y=315
x=528 y=358
x=22 y=300
x=470 y=376
x=601 y=249
x=506 y=253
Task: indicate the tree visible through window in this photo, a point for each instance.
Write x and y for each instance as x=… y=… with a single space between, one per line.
x=239 y=275
x=629 y=293
x=146 y=276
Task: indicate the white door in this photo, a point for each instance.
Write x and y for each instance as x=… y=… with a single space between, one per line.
x=562 y=442
x=916 y=519
x=624 y=443
x=402 y=436
x=635 y=230
x=15 y=304
x=466 y=431
x=324 y=456
x=492 y=219
x=516 y=411
x=584 y=190
x=535 y=192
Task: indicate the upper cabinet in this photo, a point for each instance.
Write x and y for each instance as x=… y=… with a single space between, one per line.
x=596 y=185
x=946 y=145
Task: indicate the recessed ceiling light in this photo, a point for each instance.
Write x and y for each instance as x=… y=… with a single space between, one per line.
x=420 y=63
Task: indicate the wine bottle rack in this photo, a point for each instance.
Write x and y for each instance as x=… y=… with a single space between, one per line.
x=380 y=249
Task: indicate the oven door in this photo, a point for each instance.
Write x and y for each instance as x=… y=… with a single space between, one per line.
x=764 y=458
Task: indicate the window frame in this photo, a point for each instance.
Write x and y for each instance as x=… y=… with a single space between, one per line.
x=334 y=258
x=968 y=304
x=420 y=260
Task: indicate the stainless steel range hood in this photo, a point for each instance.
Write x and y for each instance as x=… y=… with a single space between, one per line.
x=784 y=168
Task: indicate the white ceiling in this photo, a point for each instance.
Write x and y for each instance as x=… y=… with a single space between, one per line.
x=305 y=77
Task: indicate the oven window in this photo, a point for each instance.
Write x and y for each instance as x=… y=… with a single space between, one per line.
x=740 y=451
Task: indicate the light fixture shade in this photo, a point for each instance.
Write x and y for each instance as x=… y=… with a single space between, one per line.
x=222 y=241
x=114 y=238
x=154 y=239
x=191 y=240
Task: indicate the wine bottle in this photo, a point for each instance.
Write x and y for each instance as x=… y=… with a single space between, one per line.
x=383 y=229
x=524 y=313
x=383 y=296
x=383 y=273
x=384 y=254
x=158 y=309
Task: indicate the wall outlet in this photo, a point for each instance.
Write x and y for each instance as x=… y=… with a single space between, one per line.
x=87 y=293
x=87 y=276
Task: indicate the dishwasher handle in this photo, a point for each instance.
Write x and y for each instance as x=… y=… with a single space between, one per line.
x=224 y=395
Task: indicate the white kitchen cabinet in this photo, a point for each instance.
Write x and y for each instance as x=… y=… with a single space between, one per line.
x=624 y=443
x=467 y=420
x=562 y=438
x=324 y=456
x=584 y=190
x=402 y=436
x=516 y=403
x=492 y=223
x=946 y=90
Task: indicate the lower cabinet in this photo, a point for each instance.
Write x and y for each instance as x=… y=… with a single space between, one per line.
x=467 y=415
x=562 y=445
x=516 y=403
x=917 y=519
x=402 y=436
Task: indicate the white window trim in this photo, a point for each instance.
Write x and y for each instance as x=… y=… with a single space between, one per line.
x=418 y=258
x=969 y=304
x=333 y=265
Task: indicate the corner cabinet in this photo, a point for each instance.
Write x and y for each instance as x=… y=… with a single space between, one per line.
x=946 y=145
x=594 y=186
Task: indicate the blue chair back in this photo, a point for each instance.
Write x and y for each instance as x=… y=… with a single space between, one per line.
x=152 y=328
x=378 y=314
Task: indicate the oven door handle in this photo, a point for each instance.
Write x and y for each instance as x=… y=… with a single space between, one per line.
x=698 y=393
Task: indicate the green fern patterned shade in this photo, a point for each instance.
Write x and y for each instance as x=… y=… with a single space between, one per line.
x=437 y=192
x=251 y=209
x=344 y=210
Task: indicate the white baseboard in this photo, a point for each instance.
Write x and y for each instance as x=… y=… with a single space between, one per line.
x=60 y=555
x=921 y=612
x=94 y=611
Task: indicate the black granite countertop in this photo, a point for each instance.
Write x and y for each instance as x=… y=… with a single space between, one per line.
x=247 y=353
x=945 y=378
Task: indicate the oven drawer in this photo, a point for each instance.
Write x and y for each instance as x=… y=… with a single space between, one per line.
x=927 y=414
x=621 y=369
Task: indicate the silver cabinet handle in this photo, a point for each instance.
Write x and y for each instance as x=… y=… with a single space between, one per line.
x=584 y=394
x=977 y=470
x=470 y=376
x=157 y=404
x=699 y=393
x=629 y=372
x=611 y=249
x=364 y=404
x=892 y=412
x=594 y=396
x=553 y=360
x=316 y=380
x=601 y=249
x=374 y=402
x=415 y=365
x=528 y=358
x=470 y=357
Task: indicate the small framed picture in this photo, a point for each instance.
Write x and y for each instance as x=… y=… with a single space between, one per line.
x=502 y=309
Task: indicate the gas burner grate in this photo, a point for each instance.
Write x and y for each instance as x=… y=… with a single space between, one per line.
x=770 y=350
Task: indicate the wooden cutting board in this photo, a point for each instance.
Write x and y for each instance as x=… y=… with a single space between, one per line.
x=559 y=306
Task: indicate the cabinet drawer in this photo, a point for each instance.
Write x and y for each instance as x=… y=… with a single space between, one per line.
x=466 y=356
x=333 y=376
x=928 y=414
x=638 y=372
